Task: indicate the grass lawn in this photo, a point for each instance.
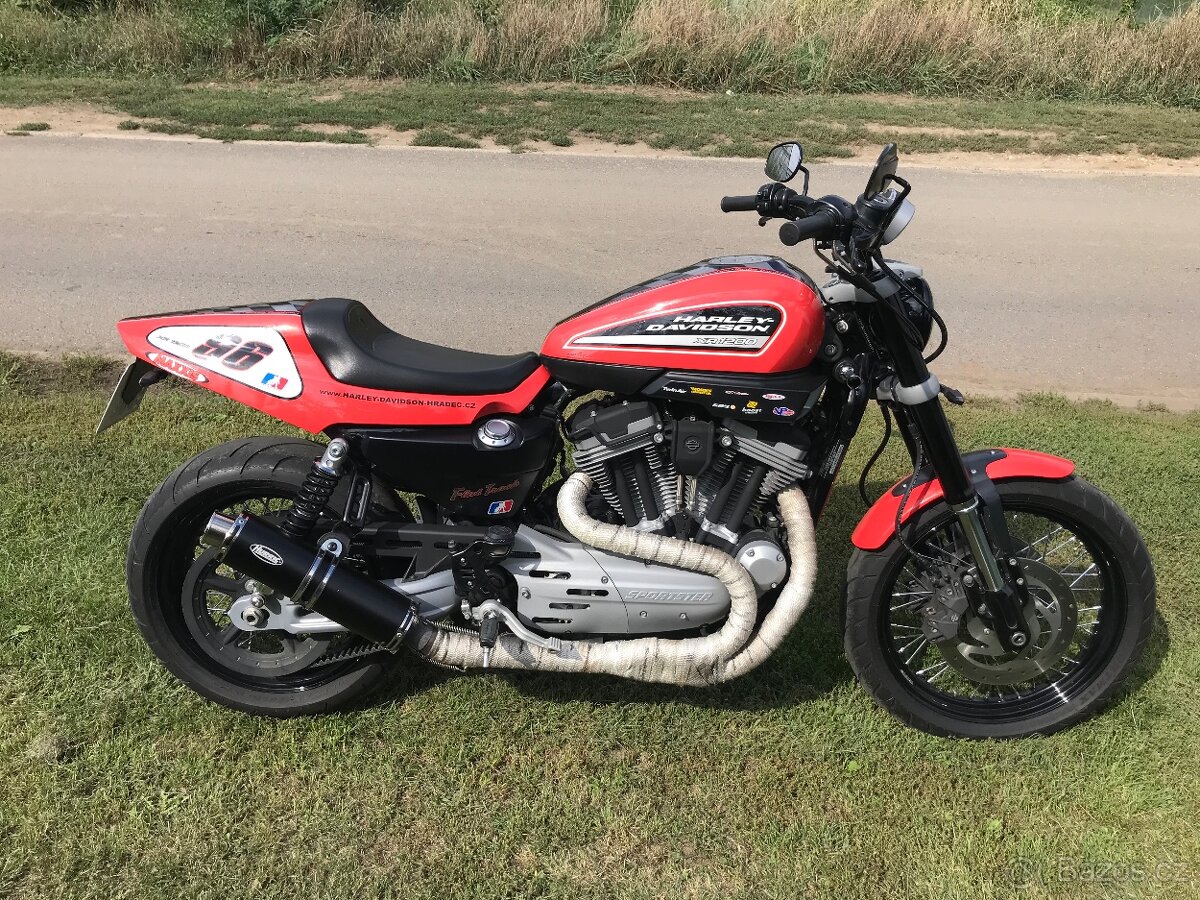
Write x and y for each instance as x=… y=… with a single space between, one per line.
x=708 y=124
x=116 y=781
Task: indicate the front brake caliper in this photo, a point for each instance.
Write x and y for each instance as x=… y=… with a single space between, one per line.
x=943 y=614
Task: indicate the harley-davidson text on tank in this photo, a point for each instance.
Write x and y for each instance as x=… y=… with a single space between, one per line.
x=742 y=328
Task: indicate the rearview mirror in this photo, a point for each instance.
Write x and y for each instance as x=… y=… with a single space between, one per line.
x=884 y=169
x=784 y=161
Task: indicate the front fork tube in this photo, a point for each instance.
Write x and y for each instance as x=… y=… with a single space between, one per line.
x=977 y=540
x=917 y=397
x=1003 y=597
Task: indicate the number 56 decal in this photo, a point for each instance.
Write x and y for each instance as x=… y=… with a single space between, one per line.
x=256 y=357
x=233 y=352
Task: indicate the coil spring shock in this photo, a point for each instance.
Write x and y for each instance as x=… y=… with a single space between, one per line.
x=315 y=493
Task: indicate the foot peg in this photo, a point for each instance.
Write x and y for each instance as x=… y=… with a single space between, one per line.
x=489 y=633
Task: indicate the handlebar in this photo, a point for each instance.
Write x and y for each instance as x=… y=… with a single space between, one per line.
x=739 y=204
x=820 y=224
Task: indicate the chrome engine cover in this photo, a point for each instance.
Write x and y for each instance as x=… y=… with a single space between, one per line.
x=567 y=588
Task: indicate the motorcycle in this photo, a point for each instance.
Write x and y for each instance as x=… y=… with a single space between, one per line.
x=637 y=499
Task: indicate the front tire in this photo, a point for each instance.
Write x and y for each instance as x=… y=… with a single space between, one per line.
x=173 y=580
x=1094 y=596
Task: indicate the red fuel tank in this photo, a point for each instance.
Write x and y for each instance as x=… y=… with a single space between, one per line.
x=755 y=314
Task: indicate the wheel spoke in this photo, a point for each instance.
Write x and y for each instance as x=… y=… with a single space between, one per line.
x=1057 y=547
x=1084 y=574
x=939 y=666
x=923 y=642
x=1032 y=545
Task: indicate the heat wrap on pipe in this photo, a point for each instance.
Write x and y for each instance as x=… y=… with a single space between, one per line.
x=733 y=650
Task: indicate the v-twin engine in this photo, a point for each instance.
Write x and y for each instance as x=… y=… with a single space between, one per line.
x=697 y=480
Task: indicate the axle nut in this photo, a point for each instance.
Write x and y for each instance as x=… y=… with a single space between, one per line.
x=254 y=617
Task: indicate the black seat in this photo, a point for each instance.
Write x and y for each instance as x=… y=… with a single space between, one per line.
x=360 y=350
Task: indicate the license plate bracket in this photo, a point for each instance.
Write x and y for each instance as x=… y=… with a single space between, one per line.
x=128 y=393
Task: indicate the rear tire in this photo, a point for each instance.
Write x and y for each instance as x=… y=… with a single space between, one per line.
x=1124 y=616
x=164 y=547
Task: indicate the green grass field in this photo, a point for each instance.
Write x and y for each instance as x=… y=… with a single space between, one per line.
x=520 y=116
x=115 y=781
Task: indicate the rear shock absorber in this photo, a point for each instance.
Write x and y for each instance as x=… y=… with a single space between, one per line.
x=316 y=491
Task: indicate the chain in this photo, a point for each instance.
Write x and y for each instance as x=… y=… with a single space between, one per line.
x=351 y=651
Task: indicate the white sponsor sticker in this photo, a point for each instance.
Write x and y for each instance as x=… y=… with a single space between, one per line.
x=256 y=357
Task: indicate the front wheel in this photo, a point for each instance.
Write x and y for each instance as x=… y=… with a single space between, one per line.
x=1092 y=594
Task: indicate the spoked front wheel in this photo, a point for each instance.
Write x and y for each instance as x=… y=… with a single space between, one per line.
x=933 y=661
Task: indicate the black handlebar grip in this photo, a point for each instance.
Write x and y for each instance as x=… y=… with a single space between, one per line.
x=739 y=204
x=818 y=225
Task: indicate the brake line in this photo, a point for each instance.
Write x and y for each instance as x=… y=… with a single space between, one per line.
x=887 y=436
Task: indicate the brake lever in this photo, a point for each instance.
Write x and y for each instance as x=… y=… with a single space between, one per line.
x=763 y=220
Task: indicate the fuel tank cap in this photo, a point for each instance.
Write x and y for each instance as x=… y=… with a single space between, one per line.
x=498 y=433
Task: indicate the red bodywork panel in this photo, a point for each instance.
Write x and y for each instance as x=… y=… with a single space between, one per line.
x=879 y=524
x=260 y=357
x=737 y=314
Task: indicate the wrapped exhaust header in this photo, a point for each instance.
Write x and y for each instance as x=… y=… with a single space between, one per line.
x=733 y=650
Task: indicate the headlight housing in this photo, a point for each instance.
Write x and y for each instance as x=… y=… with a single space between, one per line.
x=899 y=222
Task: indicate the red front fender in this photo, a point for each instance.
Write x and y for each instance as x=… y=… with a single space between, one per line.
x=879 y=524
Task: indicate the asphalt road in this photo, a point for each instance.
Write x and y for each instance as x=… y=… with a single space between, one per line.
x=1086 y=285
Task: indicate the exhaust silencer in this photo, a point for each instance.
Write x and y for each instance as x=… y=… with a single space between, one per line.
x=316 y=582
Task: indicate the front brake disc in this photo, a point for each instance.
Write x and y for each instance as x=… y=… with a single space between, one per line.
x=978 y=654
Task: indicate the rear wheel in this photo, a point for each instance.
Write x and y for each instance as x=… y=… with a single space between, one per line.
x=1092 y=590
x=181 y=594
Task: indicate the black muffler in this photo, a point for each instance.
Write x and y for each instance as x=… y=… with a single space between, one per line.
x=316 y=582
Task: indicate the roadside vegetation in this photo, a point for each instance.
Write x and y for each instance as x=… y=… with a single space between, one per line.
x=116 y=781
x=545 y=116
x=1123 y=51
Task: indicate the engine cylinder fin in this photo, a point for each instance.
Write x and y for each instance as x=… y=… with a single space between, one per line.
x=621 y=448
x=778 y=479
x=663 y=474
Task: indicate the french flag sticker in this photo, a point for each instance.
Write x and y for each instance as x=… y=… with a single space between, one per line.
x=274 y=382
x=500 y=507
